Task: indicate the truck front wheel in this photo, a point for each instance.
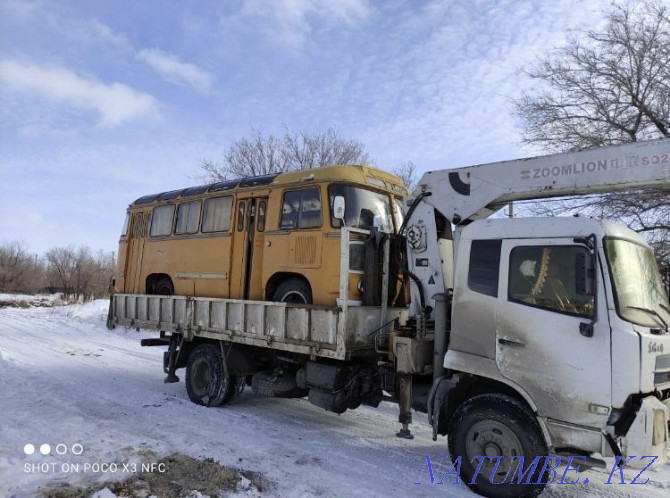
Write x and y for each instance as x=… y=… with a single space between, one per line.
x=490 y=426
x=206 y=380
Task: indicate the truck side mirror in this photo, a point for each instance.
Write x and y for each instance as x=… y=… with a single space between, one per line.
x=585 y=274
x=338 y=207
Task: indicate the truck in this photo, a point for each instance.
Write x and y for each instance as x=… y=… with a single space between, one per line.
x=522 y=339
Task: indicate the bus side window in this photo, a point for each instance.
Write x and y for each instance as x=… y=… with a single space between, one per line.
x=260 y=224
x=124 y=231
x=188 y=217
x=240 y=216
x=217 y=214
x=301 y=209
x=161 y=220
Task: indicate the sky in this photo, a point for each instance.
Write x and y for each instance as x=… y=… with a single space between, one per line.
x=102 y=102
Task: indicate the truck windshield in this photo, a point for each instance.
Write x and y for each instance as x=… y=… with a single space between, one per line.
x=639 y=290
x=362 y=208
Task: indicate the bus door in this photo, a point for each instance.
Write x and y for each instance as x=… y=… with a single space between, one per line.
x=254 y=282
x=247 y=254
x=137 y=235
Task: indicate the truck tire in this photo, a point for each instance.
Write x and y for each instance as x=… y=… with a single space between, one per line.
x=497 y=425
x=206 y=381
x=277 y=385
x=293 y=290
x=164 y=287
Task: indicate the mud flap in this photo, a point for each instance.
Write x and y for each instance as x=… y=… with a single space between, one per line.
x=437 y=408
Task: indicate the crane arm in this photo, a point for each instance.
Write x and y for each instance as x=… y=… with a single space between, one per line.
x=476 y=192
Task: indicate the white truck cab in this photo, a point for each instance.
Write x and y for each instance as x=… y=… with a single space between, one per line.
x=553 y=332
x=571 y=314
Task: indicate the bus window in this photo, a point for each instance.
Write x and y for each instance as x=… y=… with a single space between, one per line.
x=240 y=216
x=260 y=224
x=124 y=231
x=361 y=206
x=217 y=212
x=301 y=209
x=188 y=217
x=161 y=220
x=399 y=215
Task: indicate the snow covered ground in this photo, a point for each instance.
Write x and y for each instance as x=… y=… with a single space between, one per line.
x=27 y=300
x=99 y=398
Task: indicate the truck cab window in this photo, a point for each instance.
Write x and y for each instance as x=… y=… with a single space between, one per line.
x=484 y=266
x=545 y=277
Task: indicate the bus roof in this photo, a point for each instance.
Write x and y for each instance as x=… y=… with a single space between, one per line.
x=364 y=175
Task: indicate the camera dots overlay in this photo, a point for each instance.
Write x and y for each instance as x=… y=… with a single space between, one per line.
x=60 y=449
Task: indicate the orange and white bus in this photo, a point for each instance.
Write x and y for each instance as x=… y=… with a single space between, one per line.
x=272 y=238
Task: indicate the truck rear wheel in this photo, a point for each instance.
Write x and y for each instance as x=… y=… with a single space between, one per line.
x=206 y=380
x=496 y=425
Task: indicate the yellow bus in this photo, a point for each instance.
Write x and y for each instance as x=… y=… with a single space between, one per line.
x=271 y=238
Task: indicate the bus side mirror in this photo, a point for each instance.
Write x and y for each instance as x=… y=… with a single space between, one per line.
x=585 y=274
x=338 y=207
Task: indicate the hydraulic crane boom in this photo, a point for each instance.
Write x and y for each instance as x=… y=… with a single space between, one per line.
x=476 y=192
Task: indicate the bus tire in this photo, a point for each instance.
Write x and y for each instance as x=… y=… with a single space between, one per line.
x=206 y=380
x=293 y=290
x=497 y=425
x=276 y=385
x=164 y=287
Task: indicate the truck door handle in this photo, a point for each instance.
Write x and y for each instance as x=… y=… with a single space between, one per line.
x=586 y=329
x=513 y=344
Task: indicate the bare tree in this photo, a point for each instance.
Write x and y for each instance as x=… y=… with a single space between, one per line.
x=407 y=173
x=20 y=271
x=102 y=272
x=77 y=273
x=60 y=269
x=606 y=87
x=264 y=154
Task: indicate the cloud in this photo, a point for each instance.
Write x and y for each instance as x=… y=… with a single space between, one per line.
x=116 y=103
x=435 y=88
x=176 y=71
x=293 y=19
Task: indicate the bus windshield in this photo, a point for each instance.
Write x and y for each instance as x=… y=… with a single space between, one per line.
x=363 y=208
x=637 y=283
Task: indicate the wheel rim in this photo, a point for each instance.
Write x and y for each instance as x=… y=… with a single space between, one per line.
x=201 y=377
x=489 y=438
x=294 y=297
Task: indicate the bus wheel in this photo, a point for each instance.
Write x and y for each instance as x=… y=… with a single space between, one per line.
x=206 y=381
x=294 y=291
x=494 y=425
x=164 y=287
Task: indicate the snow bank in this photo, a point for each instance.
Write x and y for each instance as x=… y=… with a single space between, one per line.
x=30 y=300
x=95 y=396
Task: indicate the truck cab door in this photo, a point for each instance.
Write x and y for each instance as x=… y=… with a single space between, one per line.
x=553 y=338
